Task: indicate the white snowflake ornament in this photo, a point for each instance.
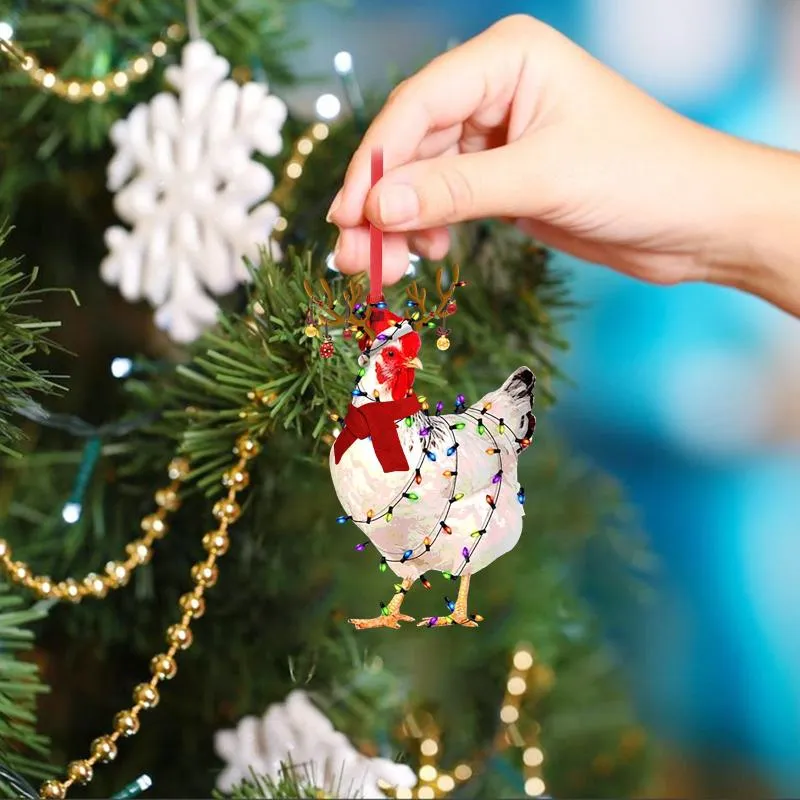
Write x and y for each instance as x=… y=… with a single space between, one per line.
x=187 y=185
x=295 y=735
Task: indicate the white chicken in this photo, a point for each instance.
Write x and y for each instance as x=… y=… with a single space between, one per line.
x=432 y=492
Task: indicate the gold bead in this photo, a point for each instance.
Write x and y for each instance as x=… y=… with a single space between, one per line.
x=443 y=343
x=72 y=590
x=96 y=585
x=80 y=771
x=192 y=604
x=180 y=636
x=104 y=749
x=216 y=542
x=311 y=331
x=20 y=571
x=52 y=790
x=168 y=499
x=44 y=586
x=5 y=550
x=118 y=573
x=126 y=723
x=140 y=551
x=236 y=479
x=163 y=667
x=247 y=447
x=146 y=695
x=153 y=524
x=205 y=575
x=226 y=510
x=178 y=469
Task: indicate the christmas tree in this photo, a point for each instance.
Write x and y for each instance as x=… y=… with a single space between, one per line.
x=172 y=563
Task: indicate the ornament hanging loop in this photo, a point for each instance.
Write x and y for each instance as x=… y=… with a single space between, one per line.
x=376 y=238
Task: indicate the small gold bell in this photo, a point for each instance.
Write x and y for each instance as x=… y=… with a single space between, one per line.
x=443 y=343
x=312 y=331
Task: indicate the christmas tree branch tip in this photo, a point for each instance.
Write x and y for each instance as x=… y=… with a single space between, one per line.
x=21 y=337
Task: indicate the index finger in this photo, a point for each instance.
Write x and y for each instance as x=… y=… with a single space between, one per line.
x=446 y=92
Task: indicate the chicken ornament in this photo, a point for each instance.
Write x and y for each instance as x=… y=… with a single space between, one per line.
x=432 y=492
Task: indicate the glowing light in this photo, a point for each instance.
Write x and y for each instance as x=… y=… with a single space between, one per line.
x=343 y=62
x=328 y=106
x=446 y=783
x=403 y=793
x=6 y=31
x=463 y=772
x=429 y=747
x=427 y=773
x=534 y=787
x=71 y=512
x=341 y=520
x=523 y=660
x=516 y=686
x=532 y=757
x=424 y=581
x=361 y=546
x=121 y=367
x=426 y=793
x=509 y=714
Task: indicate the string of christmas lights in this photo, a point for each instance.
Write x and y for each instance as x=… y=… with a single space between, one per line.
x=526 y=681
x=97 y=89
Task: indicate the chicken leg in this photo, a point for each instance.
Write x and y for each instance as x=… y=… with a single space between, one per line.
x=391 y=618
x=459 y=615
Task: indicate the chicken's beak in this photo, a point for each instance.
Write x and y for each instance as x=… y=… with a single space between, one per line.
x=414 y=363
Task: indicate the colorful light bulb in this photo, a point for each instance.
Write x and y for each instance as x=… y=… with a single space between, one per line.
x=431 y=455
x=481 y=428
x=409 y=421
x=361 y=546
x=427 y=542
x=459 y=426
x=407 y=555
x=418 y=477
x=423 y=432
x=447 y=576
x=490 y=500
x=458 y=496
x=498 y=476
x=424 y=581
x=501 y=427
x=465 y=553
x=446 y=528
x=521 y=496
x=384 y=610
x=451 y=450
x=439 y=407
x=492 y=451
x=344 y=518
x=460 y=401
x=382 y=565
x=451 y=606
x=413 y=496
x=432 y=622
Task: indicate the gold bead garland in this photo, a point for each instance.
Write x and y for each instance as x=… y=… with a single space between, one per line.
x=98 y=89
x=117 y=573
x=434 y=782
x=178 y=636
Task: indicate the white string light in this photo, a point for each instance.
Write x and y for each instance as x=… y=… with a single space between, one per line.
x=328 y=107
x=6 y=31
x=343 y=62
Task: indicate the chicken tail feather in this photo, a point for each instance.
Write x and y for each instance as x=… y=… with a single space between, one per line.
x=513 y=403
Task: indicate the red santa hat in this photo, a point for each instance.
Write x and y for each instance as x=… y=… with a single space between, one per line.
x=380 y=321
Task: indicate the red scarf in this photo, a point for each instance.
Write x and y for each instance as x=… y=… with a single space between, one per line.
x=377 y=421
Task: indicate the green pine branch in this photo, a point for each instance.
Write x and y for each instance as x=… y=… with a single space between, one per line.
x=21 y=336
x=22 y=748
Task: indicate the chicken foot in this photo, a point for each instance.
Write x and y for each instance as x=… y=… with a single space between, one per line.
x=459 y=615
x=391 y=618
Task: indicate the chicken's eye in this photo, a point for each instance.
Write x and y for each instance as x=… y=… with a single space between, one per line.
x=390 y=354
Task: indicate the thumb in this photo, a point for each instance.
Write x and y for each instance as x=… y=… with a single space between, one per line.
x=455 y=188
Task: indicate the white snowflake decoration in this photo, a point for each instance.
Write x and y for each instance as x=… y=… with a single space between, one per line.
x=296 y=735
x=188 y=187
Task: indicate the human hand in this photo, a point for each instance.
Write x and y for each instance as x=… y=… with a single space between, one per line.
x=523 y=124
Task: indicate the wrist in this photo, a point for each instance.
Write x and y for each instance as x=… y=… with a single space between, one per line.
x=756 y=246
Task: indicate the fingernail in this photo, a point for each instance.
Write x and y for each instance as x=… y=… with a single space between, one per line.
x=398 y=204
x=337 y=201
